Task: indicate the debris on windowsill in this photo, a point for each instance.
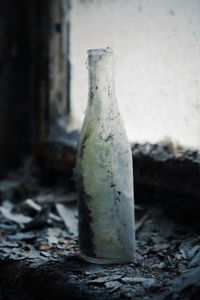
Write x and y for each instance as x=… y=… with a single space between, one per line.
x=165 y=151
x=38 y=235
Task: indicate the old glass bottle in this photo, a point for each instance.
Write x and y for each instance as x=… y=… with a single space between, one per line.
x=104 y=171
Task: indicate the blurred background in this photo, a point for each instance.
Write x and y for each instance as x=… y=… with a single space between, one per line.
x=43 y=78
x=157 y=53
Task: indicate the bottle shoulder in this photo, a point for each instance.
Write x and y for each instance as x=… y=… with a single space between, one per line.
x=104 y=135
x=109 y=124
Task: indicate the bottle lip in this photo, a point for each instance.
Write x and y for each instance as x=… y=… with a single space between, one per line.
x=101 y=51
x=94 y=56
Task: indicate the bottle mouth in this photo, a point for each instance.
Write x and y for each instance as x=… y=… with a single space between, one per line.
x=101 y=51
x=100 y=58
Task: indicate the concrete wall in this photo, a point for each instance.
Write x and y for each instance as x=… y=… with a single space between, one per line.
x=157 y=52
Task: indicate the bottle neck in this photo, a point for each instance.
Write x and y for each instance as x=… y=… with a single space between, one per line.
x=101 y=86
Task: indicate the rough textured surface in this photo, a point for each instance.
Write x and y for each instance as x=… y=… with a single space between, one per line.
x=168 y=176
x=44 y=264
x=39 y=257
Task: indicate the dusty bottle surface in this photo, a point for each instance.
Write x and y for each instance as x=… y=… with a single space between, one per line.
x=104 y=171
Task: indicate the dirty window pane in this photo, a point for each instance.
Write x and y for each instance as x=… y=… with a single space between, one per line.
x=157 y=52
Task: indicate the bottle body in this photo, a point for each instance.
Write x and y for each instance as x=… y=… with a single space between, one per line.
x=104 y=177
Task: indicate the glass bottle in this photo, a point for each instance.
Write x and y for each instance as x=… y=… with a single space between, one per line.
x=104 y=173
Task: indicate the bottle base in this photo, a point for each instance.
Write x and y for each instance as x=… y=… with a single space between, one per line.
x=105 y=261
